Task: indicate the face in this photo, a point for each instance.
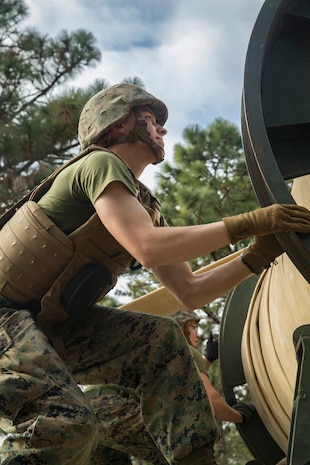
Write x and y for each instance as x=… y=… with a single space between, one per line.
x=153 y=131
x=156 y=131
x=192 y=333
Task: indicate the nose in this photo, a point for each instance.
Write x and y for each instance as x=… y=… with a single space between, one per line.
x=161 y=130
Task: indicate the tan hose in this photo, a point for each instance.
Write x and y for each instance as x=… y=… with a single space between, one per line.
x=280 y=303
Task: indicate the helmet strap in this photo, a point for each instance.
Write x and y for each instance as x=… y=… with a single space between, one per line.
x=140 y=132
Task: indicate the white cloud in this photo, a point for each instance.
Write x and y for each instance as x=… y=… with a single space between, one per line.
x=191 y=54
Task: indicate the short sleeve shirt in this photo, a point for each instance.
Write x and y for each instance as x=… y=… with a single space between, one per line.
x=70 y=200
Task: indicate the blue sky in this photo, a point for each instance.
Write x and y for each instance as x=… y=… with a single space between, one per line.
x=189 y=53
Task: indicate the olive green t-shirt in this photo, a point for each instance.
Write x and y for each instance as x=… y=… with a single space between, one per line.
x=70 y=200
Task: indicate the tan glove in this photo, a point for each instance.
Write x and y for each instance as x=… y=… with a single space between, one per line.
x=263 y=251
x=275 y=218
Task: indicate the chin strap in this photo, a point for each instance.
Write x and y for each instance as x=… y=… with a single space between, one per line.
x=140 y=132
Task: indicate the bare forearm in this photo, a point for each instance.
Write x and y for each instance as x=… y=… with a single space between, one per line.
x=224 y=412
x=206 y=287
x=196 y=290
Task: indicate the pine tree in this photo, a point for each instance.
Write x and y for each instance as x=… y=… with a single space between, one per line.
x=38 y=123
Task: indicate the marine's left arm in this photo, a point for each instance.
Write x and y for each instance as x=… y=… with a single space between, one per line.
x=196 y=290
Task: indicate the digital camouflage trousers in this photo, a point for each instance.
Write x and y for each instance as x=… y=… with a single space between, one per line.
x=122 y=433
x=47 y=418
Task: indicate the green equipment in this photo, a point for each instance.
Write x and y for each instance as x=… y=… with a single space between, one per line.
x=275 y=121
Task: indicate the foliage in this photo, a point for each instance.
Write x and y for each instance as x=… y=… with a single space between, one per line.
x=38 y=122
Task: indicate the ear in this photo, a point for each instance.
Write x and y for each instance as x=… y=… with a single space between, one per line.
x=118 y=130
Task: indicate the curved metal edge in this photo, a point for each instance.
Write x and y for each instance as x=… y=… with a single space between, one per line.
x=266 y=177
x=254 y=434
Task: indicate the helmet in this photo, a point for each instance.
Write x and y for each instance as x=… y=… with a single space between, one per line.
x=183 y=316
x=111 y=106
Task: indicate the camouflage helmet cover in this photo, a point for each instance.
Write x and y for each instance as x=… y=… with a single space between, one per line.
x=183 y=316
x=111 y=106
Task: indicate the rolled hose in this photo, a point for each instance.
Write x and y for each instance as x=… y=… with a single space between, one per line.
x=279 y=304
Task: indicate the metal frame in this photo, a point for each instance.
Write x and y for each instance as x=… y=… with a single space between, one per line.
x=275 y=121
x=299 y=444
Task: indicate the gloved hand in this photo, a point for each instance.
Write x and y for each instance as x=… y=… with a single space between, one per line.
x=247 y=411
x=274 y=218
x=263 y=251
x=212 y=352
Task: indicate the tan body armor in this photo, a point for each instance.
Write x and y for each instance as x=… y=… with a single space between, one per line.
x=38 y=261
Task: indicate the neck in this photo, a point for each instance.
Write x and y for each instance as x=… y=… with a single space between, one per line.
x=134 y=154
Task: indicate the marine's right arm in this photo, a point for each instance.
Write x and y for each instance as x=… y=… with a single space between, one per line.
x=127 y=220
x=166 y=250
